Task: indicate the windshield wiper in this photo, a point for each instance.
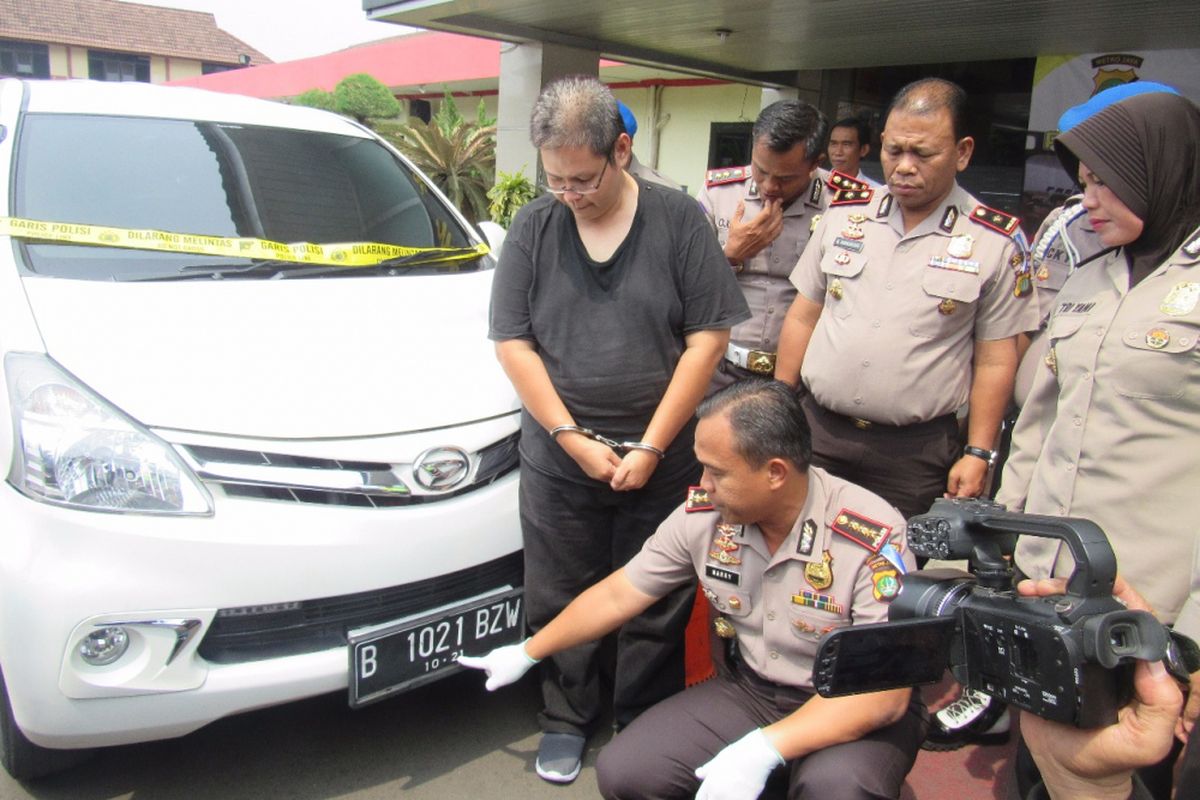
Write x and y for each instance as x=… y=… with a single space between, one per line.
x=280 y=269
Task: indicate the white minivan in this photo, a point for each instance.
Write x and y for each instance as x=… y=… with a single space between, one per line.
x=260 y=448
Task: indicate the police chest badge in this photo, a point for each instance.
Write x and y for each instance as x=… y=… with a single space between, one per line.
x=724 y=545
x=819 y=574
x=961 y=246
x=1181 y=299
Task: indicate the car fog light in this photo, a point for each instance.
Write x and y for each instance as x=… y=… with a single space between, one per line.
x=104 y=646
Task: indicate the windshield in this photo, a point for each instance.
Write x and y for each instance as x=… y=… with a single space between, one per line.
x=214 y=179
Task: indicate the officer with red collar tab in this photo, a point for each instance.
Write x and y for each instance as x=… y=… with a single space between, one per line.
x=785 y=553
x=909 y=304
x=763 y=214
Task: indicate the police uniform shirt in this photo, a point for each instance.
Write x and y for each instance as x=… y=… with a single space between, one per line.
x=901 y=312
x=763 y=278
x=1111 y=429
x=1048 y=256
x=836 y=568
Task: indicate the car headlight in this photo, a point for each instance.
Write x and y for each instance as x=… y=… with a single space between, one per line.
x=73 y=448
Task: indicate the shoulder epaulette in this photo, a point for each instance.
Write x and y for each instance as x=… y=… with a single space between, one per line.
x=840 y=180
x=851 y=197
x=996 y=220
x=697 y=500
x=717 y=177
x=861 y=530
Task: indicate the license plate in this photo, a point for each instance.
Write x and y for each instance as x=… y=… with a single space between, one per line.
x=401 y=656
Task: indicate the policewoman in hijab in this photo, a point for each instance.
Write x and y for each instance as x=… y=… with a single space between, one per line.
x=1111 y=428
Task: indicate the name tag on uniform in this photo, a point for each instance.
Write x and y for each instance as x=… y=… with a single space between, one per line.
x=720 y=574
x=848 y=244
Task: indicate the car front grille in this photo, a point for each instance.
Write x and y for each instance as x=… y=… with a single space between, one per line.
x=253 y=633
x=301 y=479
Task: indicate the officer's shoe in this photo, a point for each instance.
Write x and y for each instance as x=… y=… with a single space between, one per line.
x=560 y=757
x=974 y=718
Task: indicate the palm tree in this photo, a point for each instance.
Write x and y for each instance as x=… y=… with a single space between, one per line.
x=457 y=155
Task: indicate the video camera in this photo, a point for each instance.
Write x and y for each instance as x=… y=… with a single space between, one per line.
x=1067 y=658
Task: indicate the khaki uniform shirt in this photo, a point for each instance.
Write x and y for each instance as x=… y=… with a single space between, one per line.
x=763 y=278
x=1111 y=429
x=895 y=340
x=1050 y=260
x=833 y=570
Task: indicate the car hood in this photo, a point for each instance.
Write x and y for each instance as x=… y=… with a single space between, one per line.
x=335 y=357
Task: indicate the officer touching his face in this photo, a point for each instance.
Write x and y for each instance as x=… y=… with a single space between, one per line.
x=763 y=214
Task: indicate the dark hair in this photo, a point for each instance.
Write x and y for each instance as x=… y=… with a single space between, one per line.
x=860 y=127
x=576 y=111
x=766 y=419
x=931 y=95
x=784 y=123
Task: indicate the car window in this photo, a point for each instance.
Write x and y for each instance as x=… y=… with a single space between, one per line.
x=213 y=179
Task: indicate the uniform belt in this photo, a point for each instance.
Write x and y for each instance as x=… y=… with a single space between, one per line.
x=866 y=424
x=757 y=361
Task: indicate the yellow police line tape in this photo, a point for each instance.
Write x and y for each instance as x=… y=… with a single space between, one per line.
x=345 y=254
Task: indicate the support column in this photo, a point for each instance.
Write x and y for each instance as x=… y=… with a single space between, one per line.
x=524 y=70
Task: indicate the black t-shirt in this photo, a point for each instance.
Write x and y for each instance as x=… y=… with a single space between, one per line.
x=610 y=333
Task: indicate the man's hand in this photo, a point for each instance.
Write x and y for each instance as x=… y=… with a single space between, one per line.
x=1098 y=763
x=503 y=666
x=597 y=460
x=966 y=477
x=747 y=239
x=636 y=468
x=740 y=770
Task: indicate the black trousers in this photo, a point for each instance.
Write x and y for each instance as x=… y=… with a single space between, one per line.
x=574 y=536
x=657 y=755
x=907 y=466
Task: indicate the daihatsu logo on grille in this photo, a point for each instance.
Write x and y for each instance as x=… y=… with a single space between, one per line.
x=441 y=468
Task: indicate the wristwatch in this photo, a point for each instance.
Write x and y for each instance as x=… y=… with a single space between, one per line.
x=989 y=456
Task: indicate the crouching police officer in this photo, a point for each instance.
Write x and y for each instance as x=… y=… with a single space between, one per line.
x=785 y=553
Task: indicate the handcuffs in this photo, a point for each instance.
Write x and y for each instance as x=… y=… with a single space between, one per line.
x=620 y=447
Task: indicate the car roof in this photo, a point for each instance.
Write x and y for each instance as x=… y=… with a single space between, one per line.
x=134 y=99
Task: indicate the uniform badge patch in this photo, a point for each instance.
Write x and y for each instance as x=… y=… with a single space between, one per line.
x=1022 y=285
x=723 y=545
x=1052 y=360
x=808 y=535
x=724 y=628
x=851 y=197
x=840 y=180
x=961 y=246
x=1157 y=338
x=812 y=226
x=849 y=244
x=996 y=220
x=861 y=530
x=819 y=574
x=821 y=602
x=947 y=307
x=886 y=585
x=697 y=500
x=885 y=207
x=814 y=196
x=948 y=220
x=835 y=289
x=717 y=177
x=1181 y=299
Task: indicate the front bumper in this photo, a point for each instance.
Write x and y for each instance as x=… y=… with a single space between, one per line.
x=62 y=572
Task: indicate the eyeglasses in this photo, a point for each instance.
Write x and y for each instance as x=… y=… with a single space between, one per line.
x=579 y=190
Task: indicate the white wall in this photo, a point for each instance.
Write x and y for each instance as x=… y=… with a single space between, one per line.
x=683 y=140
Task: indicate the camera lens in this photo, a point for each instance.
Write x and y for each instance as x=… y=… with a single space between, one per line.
x=930 y=593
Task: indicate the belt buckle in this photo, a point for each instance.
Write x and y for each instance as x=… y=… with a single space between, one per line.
x=761 y=362
x=861 y=424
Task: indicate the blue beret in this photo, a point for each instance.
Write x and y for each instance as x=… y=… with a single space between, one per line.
x=1102 y=100
x=628 y=118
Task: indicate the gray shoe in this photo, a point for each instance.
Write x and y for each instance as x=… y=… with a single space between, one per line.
x=560 y=757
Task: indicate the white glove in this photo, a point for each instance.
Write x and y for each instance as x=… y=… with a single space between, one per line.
x=503 y=666
x=740 y=770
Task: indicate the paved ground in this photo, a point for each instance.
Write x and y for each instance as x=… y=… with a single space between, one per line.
x=445 y=741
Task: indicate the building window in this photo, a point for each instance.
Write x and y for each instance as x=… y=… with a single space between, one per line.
x=208 y=68
x=24 y=60
x=118 y=67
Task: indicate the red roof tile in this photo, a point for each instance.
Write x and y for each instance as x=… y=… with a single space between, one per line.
x=124 y=27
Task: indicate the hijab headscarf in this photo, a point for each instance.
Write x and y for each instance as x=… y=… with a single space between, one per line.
x=1146 y=149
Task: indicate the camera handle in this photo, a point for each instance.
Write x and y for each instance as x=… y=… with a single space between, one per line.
x=1091 y=582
